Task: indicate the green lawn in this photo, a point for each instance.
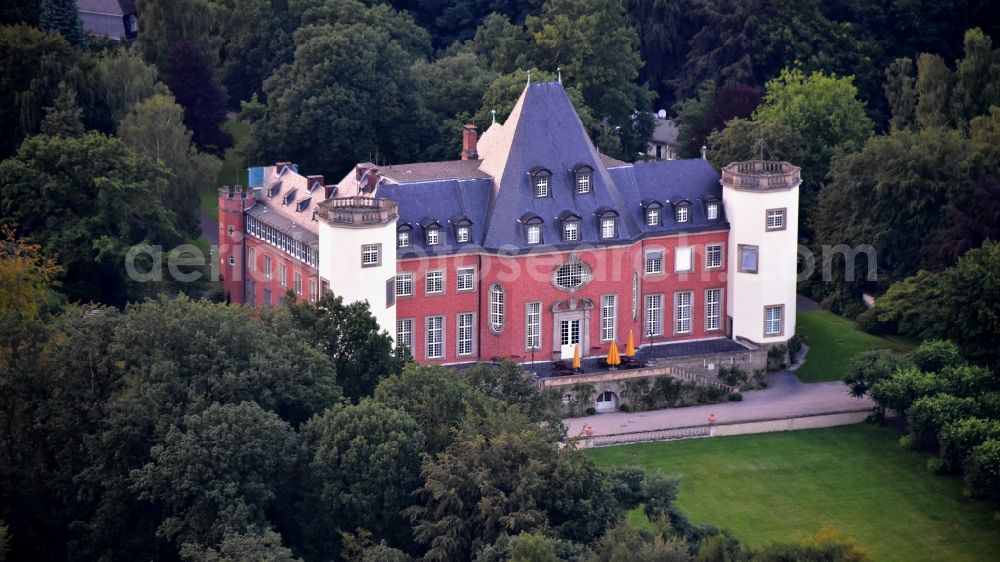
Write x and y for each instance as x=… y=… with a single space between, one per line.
x=780 y=486
x=833 y=341
x=233 y=169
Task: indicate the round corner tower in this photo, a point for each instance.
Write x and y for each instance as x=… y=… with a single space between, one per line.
x=357 y=253
x=761 y=200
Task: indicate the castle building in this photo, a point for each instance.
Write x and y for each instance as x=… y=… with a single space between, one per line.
x=530 y=244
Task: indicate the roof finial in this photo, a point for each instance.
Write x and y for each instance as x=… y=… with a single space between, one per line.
x=529 y=77
x=559 y=72
x=493 y=113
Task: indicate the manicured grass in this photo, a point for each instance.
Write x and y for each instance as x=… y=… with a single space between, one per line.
x=833 y=341
x=233 y=169
x=779 y=487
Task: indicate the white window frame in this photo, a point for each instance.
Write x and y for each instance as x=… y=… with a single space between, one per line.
x=267 y=267
x=404 y=284
x=435 y=337
x=533 y=326
x=774 y=324
x=711 y=249
x=653 y=263
x=682 y=213
x=465 y=279
x=653 y=320
x=712 y=212
x=298 y=283
x=534 y=234
x=713 y=309
x=608 y=227
x=404 y=333
x=775 y=219
x=313 y=290
x=433 y=236
x=371 y=255
x=571 y=231
x=609 y=317
x=434 y=282
x=682 y=264
x=653 y=217
x=541 y=186
x=283 y=275
x=403 y=239
x=583 y=182
x=497 y=305
x=462 y=234
x=683 y=301
x=465 y=322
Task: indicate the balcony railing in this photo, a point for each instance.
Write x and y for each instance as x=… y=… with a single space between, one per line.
x=761 y=174
x=357 y=211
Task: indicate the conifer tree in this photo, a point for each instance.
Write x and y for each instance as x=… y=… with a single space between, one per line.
x=64 y=119
x=62 y=17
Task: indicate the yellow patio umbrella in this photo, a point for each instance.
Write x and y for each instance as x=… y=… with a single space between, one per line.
x=630 y=345
x=613 y=358
x=576 y=356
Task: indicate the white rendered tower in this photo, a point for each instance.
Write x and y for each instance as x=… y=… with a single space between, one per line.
x=761 y=199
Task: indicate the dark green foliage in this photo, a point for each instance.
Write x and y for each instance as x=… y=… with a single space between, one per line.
x=733 y=375
x=959 y=438
x=218 y=473
x=64 y=119
x=362 y=463
x=246 y=547
x=627 y=485
x=903 y=388
x=900 y=90
x=871 y=367
x=932 y=356
x=189 y=75
x=165 y=22
x=453 y=21
x=928 y=414
x=61 y=16
x=88 y=201
x=625 y=542
x=982 y=475
x=350 y=337
x=508 y=383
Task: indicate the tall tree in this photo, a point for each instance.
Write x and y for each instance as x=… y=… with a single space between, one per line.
x=664 y=29
x=88 y=200
x=165 y=22
x=934 y=85
x=977 y=79
x=64 y=119
x=62 y=17
x=155 y=128
x=190 y=77
x=901 y=91
x=121 y=80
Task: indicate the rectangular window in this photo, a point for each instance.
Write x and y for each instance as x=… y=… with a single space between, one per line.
x=713 y=309
x=283 y=274
x=583 y=182
x=775 y=219
x=435 y=337
x=370 y=255
x=682 y=312
x=653 y=217
x=713 y=256
x=232 y=260
x=466 y=279
x=404 y=284
x=682 y=213
x=403 y=238
x=654 y=262
x=534 y=325
x=267 y=267
x=433 y=237
x=608 y=228
x=435 y=282
x=654 y=315
x=267 y=295
x=571 y=231
x=713 y=211
x=298 y=283
x=465 y=333
x=542 y=186
x=404 y=333
x=534 y=234
x=313 y=290
x=682 y=259
x=748 y=258
x=773 y=320
x=609 y=316
x=463 y=234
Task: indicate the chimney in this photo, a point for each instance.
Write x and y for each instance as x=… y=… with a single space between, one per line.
x=469 y=139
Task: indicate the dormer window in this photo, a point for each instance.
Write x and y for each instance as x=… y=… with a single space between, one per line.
x=540 y=181
x=653 y=212
x=534 y=233
x=681 y=213
x=712 y=211
x=571 y=231
x=608 y=222
x=583 y=175
x=433 y=236
x=463 y=229
x=462 y=234
x=403 y=238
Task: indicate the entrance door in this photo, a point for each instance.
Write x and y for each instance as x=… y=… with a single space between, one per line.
x=569 y=331
x=607 y=401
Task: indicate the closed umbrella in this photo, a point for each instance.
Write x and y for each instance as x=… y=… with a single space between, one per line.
x=630 y=345
x=613 y=358
x=576 y=356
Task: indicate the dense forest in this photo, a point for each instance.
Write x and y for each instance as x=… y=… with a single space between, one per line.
x=127 y=422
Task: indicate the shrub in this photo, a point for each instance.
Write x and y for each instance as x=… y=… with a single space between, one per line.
x=933 y=355
x=624 y=408
x=710 y=394
x=908 y=442
x=591 y=410
x=795 y=346
x=760 y=378
x=733 y=376
x=982 y=475
x=736 y=397
x=776 y=357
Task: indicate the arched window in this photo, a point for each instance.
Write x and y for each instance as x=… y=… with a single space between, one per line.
x=496 y=308
x=635 y=295
x=540 y=181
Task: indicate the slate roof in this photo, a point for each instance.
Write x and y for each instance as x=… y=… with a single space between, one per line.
x=105 y=18
x=496 y=193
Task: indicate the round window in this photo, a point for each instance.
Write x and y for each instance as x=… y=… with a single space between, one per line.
x=572 y=275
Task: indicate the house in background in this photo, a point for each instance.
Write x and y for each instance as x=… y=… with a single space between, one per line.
x=663 y=145
x=117 y=20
